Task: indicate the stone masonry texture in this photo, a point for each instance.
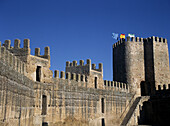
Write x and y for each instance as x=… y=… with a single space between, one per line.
x=30 y=95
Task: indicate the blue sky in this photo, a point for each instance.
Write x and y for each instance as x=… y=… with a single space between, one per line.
x=81 y=29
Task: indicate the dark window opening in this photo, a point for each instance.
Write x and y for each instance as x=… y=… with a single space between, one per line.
x=44 y=124
x=86 y=79
x=103 y=123
x=77 y=77
x=72 y=76
x=95 y=81
x=44 y=105
x=38 y=73
x=102 y=102
x=81 y=77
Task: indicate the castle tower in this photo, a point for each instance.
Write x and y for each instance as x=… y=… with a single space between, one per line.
x=156 y=60
x=128 y=63
x=139 y=60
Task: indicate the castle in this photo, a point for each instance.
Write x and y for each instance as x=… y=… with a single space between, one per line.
x=31 y=95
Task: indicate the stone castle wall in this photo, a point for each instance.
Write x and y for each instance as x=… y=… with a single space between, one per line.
x=69 y=99
x=16 y=91
x=31 y=96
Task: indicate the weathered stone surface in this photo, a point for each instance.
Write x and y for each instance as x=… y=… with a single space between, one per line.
x=31 y=96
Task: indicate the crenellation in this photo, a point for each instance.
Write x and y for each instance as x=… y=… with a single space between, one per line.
x=112 y=84
x=37 y=51
x=137 y=39
x=161 y=39
x=56 y=74
x=68 y=64
x=80 y=93
x=141 y=39
x=128 y=39
x=16 y=43
x=163 y=87
x=68 y=75
x=78 y=77
x=74 y=63
x=62 y=75
x=88 y=62
x=133 y=39
x=153 y=38
x=125 y=86
x=26 y=43
x=7 y=44
x=81 y=62
x=165 y=40
x=47 y=51
x=157 y=39
x=83 y=78
x=116 y=86
x=73 y=76
x=109 y=83
x=93 y=66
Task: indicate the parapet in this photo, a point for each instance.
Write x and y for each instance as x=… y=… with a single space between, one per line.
x=69 y=76
x=81 y=65
x=128 y=39
x=116 y=86
x=46 y=53
x=156 y=39
x=138 y=39
x=17 y=50
x=163 y=87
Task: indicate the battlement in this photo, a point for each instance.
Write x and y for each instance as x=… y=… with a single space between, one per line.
x=138 y=39
x=163 y=87
x=117 y=86
x=7 y=58
x=18 y=51
x=69 y=76
x=46 y=53
x=17 y=45
x=83 y=68
x=156 y=39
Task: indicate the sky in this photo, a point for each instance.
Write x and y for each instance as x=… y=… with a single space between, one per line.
x=81 y=29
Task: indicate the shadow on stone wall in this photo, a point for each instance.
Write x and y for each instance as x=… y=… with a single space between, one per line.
x=156 y=111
